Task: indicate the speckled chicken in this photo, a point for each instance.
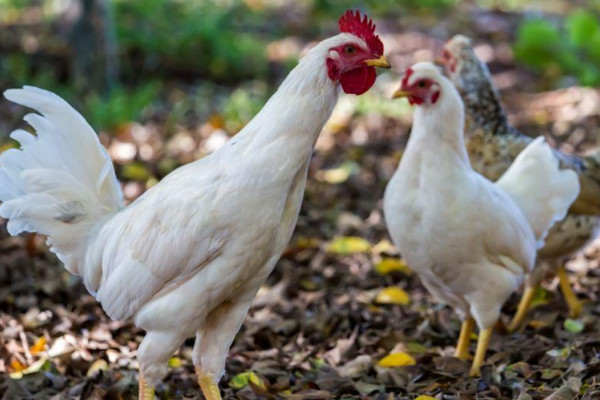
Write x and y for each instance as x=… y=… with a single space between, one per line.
x=188 y=256
x=493 y=144
x=470 y=241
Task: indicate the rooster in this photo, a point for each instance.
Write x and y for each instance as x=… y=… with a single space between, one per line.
x=470 y=241
x=493 y=144
x=188 y=256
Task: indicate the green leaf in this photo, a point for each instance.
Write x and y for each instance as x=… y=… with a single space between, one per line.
x=242 y=380
x=574 y=325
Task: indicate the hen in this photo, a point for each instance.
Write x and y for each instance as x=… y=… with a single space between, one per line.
x=493 y=144
x=187 y=257
x=470 y=241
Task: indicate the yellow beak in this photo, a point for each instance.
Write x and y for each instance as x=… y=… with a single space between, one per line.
x=378 y=62
x=400 y=93
x=439 y=61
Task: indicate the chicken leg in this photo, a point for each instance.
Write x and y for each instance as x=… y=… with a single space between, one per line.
x=146 y=391
x=462 y=348
x=482 y=345
x=208 y=386
x=573 y=303
x=523 y=308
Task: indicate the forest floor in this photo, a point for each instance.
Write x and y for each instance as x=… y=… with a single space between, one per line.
x=320 y=325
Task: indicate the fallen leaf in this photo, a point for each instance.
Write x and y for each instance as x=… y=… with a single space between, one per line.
x=242 y=380
x=35 y=367
x=397 y=360
x=425 y=397
x=388 y=265
x=96 y=367
x=38 y=346
x=392 y=295
x=348 y=245
x=339 y=174
x=574 y=325
x=175 y=362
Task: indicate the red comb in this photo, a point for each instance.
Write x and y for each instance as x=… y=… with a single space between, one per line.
x=406 y=77
x=363 y=28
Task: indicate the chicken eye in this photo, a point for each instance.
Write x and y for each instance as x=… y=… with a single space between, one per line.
x=422 y=84
x=349 y=50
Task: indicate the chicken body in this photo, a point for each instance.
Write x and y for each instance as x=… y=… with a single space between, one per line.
x=187 y=257
x=470 y=241
x=493 y=144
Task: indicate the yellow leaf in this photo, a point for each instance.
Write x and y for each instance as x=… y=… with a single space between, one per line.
x=175 y=362
x=392 y=295
x=16 y=365
x=338 y=175
x=348 y=245
x=38 y=346
x=307 y=243
x=397 y=360
x=35 y=367
x=387 y=265
x=242 y=380
x=425 y=397
x=383 y=246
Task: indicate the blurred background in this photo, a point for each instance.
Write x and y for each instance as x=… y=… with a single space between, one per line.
x=167 y=82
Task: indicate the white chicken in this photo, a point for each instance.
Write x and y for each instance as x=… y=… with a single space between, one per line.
x=470 y=241
x=187 y=257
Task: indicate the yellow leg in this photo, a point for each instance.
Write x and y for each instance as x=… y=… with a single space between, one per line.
x=207 y=383
x=462 y=348
x=482 y=345
x=146 y=391
x=523 y=308
x=573 y=303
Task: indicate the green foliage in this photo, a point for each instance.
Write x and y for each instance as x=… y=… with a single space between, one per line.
x=572 y=49
x=120 y=106
x=193 y=37
x=243 y=104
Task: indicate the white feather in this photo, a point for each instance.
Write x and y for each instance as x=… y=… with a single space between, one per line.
x=61 y=182
x=542 y=190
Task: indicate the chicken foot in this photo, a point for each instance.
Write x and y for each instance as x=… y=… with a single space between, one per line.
x=482 y=346
x=462 y=348
x=573 y=302
x=523 y=308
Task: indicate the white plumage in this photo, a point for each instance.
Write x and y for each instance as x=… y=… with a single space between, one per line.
x=187 y=257
x=471 y=241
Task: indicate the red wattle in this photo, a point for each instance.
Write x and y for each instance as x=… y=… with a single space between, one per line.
x=358 y=80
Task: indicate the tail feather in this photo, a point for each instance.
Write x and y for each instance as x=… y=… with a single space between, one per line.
x=61 y=182
x=542 y=190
